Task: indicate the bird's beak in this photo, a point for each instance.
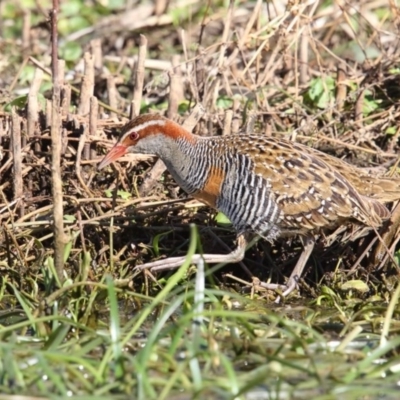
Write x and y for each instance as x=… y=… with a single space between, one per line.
x=116 y=152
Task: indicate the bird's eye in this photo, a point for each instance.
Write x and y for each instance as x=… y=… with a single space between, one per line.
x=134 y=135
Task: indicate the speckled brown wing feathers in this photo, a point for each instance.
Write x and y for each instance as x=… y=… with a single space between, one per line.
x=383 y=189
x=311 y=193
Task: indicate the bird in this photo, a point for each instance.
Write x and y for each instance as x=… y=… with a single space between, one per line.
x=381 y=188
x=268 y=187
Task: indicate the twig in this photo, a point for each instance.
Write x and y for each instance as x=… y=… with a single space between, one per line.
x=222 y=52
x=341 y=89
x=74 y=89
x=139 y=77
x=359 y=109
x=94 y=110
x=95 y=45
x=227 y=122
x=176 y=89
x=59 y=237
x=87 y=87
x=112 y=95
x=33 y=106
x=303 y=56
x=26 y=28
x=17 y=156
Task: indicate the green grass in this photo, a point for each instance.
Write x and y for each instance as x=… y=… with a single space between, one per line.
x=200 y=343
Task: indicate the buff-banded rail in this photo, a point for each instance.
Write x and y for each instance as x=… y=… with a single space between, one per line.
x=268 y=187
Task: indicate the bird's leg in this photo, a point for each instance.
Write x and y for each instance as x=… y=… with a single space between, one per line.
x=389 y=237
x=235 y=256
x=308 y=246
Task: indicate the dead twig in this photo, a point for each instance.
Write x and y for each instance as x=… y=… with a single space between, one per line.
x=139 y=77
x=58 y=214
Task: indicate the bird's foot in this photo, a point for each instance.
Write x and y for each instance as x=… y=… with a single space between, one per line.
x=283 y=290
x=165 y=264
x=293 y=284
x=175 y=262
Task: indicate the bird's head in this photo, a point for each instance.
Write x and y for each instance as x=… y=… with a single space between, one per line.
x=145 y=134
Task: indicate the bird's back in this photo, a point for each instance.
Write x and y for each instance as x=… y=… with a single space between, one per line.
x=383 y=189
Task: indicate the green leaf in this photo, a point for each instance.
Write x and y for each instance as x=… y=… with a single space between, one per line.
x=179 y=14
x=67 y=282
x=115 y=331
x=397 y=257
x=355 y=284
x=18 y=102
x=321 y=91
x=27 y=74
x=395 y=71
x=67 y=250
x=316 y=88
x=70 y=8
x=113 y=4
x=123 y=194
x=222 y=219
x=51 y=271
x=370 y=104
x=360 y=54
x=68 y=246
x=183 y=107
x=224 y=102
x=391 y=130
x=69 y=218
x=71 y=51
x=156 y=241
x=84 y=266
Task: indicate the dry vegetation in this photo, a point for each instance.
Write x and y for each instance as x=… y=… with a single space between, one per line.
x=323 y=73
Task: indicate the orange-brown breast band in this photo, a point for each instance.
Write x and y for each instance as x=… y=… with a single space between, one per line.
x=212 y=188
